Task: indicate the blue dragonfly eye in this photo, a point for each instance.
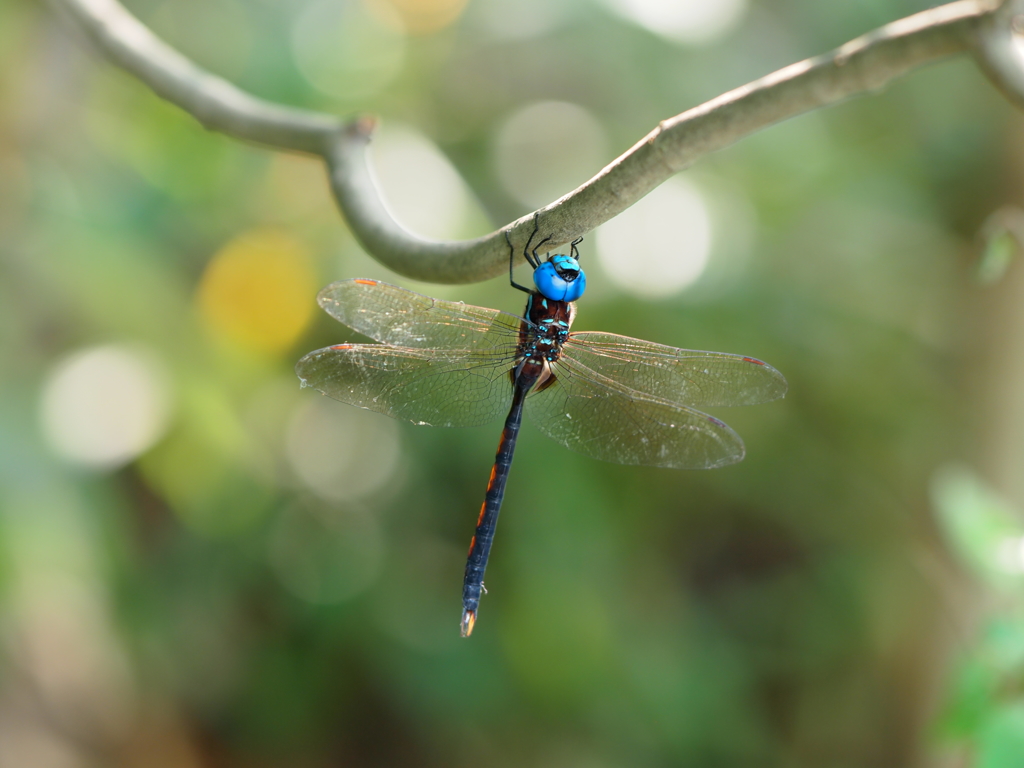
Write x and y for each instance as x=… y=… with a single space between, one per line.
x=560 y=279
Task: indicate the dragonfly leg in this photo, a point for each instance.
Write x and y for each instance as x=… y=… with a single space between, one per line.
x=573 y=250
x=536 y=258
x=533 y=261
x=511 y=259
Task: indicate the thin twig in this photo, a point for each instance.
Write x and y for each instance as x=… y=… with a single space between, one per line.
x=982 y=27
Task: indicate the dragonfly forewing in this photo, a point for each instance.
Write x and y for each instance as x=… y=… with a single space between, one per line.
x=685 y=376
x=437 y=387
x=593 y=415
x=401 y=318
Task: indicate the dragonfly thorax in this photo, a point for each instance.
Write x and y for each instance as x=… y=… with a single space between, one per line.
x=542 y=335
x=552 y=317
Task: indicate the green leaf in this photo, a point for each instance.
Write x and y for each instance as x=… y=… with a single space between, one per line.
x=1001 y=236
x=1002 y=740
x=982 y=528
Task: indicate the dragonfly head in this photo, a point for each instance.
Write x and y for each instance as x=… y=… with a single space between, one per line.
x=560 y=278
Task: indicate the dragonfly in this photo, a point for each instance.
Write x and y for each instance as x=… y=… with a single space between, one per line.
x=610 y=397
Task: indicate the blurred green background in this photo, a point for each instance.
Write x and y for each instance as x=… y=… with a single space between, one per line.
x=202 y=565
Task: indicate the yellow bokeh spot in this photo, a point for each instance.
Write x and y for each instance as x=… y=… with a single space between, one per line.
x=417 y=17
x=258 y=291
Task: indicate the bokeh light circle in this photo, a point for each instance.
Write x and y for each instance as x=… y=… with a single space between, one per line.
x=257 y=291
x=345 y=51
x=101 y=407
x=685 y=21
x=417 y=17
x=340 y=452
x=547 y=149
x=522 y=19
x=420 y=186
x=660 y=245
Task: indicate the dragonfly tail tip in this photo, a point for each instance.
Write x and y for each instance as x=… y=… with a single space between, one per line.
x=468 y=622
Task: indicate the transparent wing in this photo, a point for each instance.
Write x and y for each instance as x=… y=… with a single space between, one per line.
x=401 y=318
x=442 y=388
x=591 y=414
x=684 y=376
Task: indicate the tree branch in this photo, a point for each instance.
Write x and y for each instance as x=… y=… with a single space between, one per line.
x=996 y=52
x=984 y=28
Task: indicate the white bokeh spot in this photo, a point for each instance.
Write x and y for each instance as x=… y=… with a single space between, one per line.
x=1010 y=555
x=421 y=188
x=660 y=245
x=546 y=149
x=340 y=452
x=102 y=407
x=685 y=21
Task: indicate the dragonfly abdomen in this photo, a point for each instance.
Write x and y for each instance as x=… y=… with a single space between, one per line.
x=480 y=546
